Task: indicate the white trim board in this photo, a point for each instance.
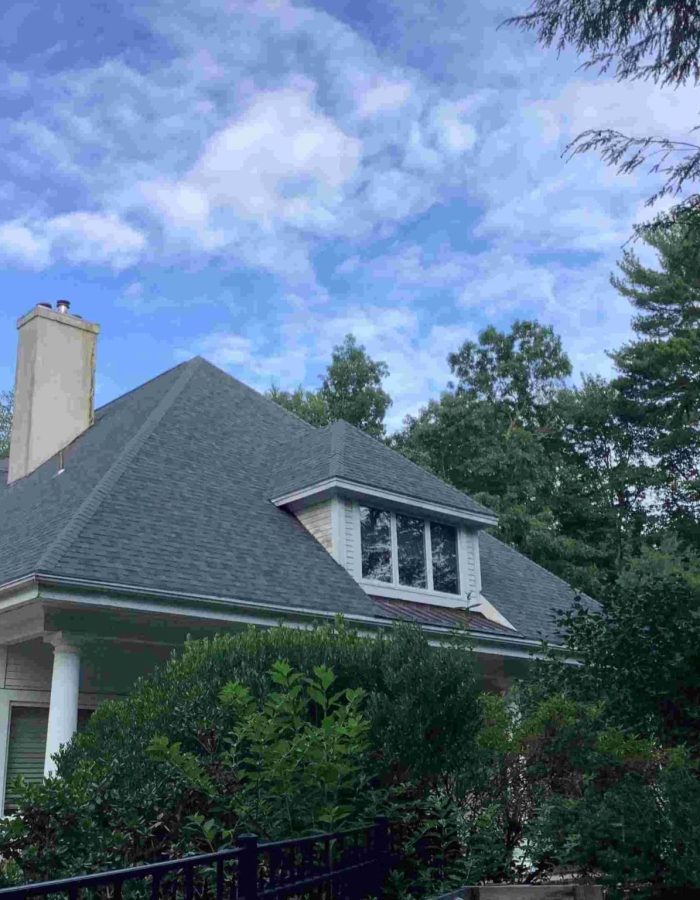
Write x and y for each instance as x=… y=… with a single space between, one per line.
x=360 y=491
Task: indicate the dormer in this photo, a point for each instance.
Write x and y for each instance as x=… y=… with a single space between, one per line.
x=401 y=532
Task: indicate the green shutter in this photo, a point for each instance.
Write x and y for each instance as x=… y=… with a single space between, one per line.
x=25 y=754
x=27 y=746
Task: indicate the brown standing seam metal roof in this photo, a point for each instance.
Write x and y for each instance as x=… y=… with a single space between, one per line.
x=427 y=614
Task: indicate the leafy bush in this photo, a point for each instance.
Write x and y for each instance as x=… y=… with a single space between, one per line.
x=297 y=763
x=640 y=653
x=574 y=793
x=169 y=769
x=283 y=731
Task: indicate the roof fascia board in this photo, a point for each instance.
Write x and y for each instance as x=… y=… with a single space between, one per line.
x=323 y=489
x=21 y=623
x=21 y=590
x=223 y=610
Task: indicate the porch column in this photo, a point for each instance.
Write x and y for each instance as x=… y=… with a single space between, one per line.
x=63 y=706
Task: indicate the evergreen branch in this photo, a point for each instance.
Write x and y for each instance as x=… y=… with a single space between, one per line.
x=627 y=154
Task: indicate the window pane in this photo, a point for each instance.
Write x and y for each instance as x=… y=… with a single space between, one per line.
x=410 y=535
x=443 y=539
x=375 y=529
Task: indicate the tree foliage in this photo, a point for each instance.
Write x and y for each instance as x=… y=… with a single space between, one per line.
x=6 y=408
x=352 y=389
x=520 y=370
x=513 y=436
x=307 y=405
x=659 y=370
x=640 y=652
x=569 y=790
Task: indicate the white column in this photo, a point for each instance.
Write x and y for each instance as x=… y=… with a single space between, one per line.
x=4 y=744
x=63 y=707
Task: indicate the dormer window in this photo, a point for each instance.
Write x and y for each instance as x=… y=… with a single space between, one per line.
x=406 y=551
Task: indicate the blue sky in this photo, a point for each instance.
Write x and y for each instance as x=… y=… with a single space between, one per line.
x=253 y=180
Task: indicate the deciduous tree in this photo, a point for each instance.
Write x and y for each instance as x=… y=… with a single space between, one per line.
x=6 y=407
x=352 y=389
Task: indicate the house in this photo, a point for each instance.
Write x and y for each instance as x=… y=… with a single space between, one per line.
x=193 y=505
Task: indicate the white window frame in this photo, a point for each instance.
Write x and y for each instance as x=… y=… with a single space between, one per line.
x=395 y=584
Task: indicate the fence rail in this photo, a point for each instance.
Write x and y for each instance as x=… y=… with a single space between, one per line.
x=341 y=865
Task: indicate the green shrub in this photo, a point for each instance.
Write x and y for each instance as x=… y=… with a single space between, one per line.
x=574 y=793
x=298 y=763
x=129 y=787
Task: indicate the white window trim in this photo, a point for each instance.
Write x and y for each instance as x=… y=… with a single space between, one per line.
x=404 y=589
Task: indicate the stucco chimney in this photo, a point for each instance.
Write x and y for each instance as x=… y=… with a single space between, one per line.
x=54 y=385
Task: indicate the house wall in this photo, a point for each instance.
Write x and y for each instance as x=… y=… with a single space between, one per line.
x=107 y=670
x=319 y=521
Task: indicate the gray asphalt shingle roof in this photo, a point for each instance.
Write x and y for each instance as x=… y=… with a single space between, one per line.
x=341 y=451
x=170 y=490
x=167 y=492
x=521 y=590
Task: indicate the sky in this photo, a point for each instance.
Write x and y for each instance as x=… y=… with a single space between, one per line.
x=250 y=181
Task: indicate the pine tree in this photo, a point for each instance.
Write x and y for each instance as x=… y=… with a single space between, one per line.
x=659 y=371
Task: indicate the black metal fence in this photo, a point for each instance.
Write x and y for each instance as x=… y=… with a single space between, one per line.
x=343 y=865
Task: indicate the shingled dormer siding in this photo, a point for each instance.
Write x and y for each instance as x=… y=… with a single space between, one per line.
x=317 y=519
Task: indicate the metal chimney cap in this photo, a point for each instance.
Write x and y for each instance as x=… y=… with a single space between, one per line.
x=62 y=306
x=45 y=305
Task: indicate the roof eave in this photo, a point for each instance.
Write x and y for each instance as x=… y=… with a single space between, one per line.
x=83 y=592
x=329 y=487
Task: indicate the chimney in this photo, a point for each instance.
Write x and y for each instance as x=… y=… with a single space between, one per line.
x=54 y=385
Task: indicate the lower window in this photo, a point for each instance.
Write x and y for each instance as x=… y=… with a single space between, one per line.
x=27 y=746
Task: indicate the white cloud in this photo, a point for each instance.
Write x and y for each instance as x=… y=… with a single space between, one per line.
x=278 y=160
x=19 y=244
x=226 y=350
x=96 y=239
x=80 y=238
x=268 y=127
x=630 y=107
x=416 y=353
x=268 y=132
x=534 y=197
x=382 y=96
x=183 y=205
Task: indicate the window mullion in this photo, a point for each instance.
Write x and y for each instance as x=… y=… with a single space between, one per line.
x=394 y=551
x=428 y=558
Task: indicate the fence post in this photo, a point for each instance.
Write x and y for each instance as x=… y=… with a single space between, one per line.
x=382 y=849
x=248 y=867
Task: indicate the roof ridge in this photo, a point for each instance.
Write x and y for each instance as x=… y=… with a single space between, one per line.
x=102 y=489
x=259 y=395
x=337 y=446
x=105 y=406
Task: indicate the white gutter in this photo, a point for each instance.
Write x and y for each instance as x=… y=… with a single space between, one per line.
x=216 y=608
